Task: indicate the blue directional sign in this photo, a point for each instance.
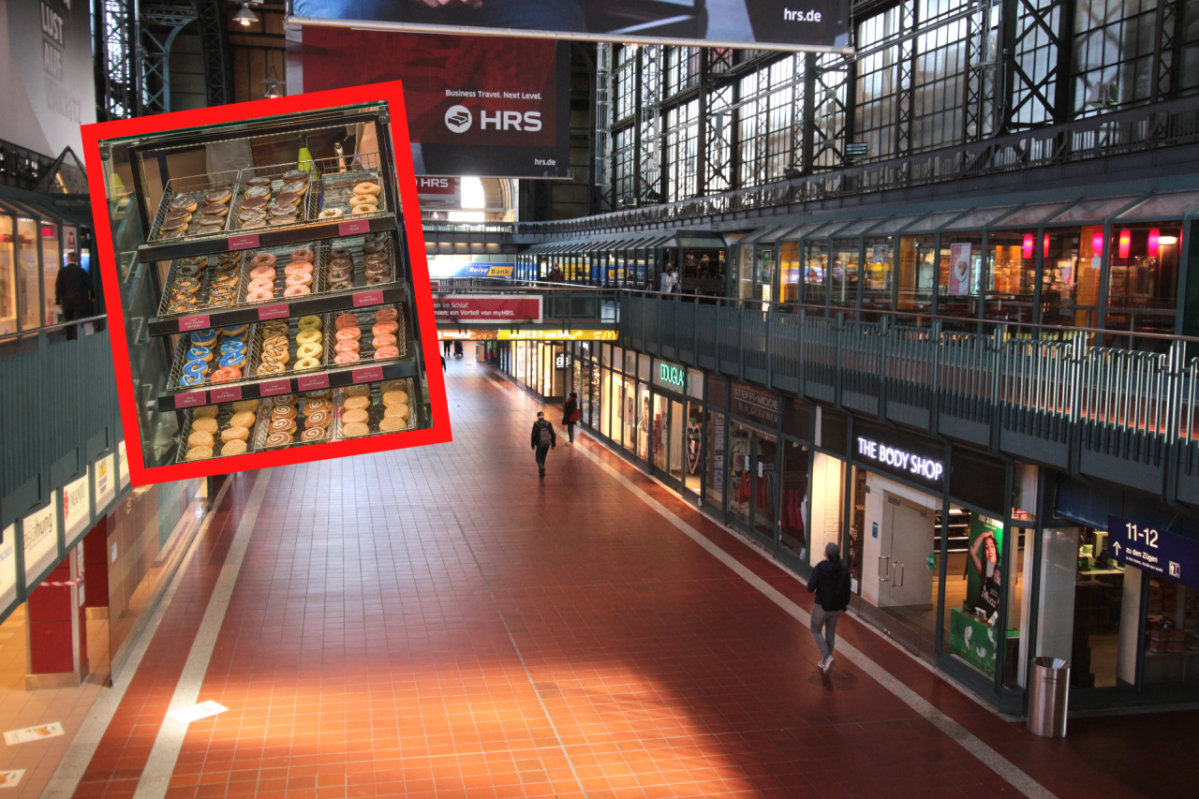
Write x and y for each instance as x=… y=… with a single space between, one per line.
x=1154 y=550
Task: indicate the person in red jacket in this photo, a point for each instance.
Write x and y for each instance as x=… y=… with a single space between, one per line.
x=570 y=416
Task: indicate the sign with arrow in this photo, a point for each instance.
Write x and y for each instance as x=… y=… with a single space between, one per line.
x=1156 y=551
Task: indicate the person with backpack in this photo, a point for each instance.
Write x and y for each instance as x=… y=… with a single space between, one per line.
x=543 y=440
x=570 y=416
x=830 y=583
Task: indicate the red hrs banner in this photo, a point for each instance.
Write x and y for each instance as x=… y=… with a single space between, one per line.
x=486 y=107
x=486 y=308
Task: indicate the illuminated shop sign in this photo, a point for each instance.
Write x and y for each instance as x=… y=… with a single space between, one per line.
x=671 y=375
x=753 y=403
x=901 y=461
x=558 y=335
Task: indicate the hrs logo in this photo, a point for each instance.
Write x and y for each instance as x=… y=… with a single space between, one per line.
x=459 y=119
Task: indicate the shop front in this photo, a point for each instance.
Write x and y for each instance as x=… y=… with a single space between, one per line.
x=543 y=367
x=677 y=426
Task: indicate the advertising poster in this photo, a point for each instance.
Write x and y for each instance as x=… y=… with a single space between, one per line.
x=973 y=635
x=104 y=477
x=8 y=565
x=482 y=107
x=486 y=308
x=959 y=269
x=123 y=463
x=76 y=508
x=40 y=532
x=764 y=24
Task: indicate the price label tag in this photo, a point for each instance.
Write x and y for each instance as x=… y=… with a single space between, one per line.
x=312 y=382
x=188 y=323
x=272 y=387
x=367 y=298
x=277 y=311
x=243 y=242
x=368 y=374
x=227 y=394
x=352 y=227
x=190 y=399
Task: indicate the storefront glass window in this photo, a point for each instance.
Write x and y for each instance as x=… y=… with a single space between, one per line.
x=766 y=483
x=844 y=273
x=793 y=502
x=702 y=272
x=645 y=368
x=611 y=390
x=766 y=273
x=1143 y=287
x=972 y=591
x=661 y=430
x=876 y=286
x=630 y=414
x=50 y=266
x=815 y=272
x=745 y=272
x=692 y=446
x=1070 y=276
x=1171 y=633
x=27 y=277
x=714 y=471
x=741 y=497
x=917 y=271
x=644 y=422
x=960 y=273
x=8 y=278
x=826 y=507
x=1011 y=280
x=789 y=271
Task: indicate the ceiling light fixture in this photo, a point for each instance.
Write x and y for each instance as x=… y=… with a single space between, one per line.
x=245 y=16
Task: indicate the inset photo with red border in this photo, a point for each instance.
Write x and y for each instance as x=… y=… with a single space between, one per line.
x=265 y=278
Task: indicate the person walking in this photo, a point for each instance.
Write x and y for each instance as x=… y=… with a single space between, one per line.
x=445 y=348
x=570 y=416
x=74 y=293
x=543 y=440
x=668 y=282
x=556 y=275
x=443 y=364
x=830 y=583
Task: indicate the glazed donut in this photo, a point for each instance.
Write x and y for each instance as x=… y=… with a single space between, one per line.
x=297 y=291
x=226 y=373
x=346 y=346
x=349 y=334
x=385 y=327
x=377 y=280
x=287 y=219
x=331 y=213
x=259 y=295
x=362 y=210
x=305 y=364
x=299 y=280
x=235 y=330
x=235 y=359
x=262 y=272
x=346 y=320
x=385 y=340
x=302 y=254
x=263 y=259
x=386 y=315
x=346 y=357
x=386 y=352
x=309 y=323
x=309 y=351
x=368 y=188
x=308 y=337
x=365 y=199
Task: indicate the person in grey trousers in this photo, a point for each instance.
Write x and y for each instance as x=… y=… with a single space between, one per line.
x=830 y=583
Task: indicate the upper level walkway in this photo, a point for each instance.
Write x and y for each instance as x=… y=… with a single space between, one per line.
x=441 y=623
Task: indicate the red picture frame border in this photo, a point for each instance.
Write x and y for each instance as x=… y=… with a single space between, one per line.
x=390 y=92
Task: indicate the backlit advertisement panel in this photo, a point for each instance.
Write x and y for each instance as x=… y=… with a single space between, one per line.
x=762 y=24
x=480 y=107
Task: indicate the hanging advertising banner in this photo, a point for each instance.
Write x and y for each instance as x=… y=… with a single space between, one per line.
x=818 y=25
x=488 y=308
x=959 y=268
x=123 y=463
x=104 y=477
x=479 y=107
x=438 y=192
x=40 y=532
x=76 y=508
x=8 y=566
x=559 y=335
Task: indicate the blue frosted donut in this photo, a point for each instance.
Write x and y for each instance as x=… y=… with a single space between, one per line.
x=236 y=330
x=199 y=368
x=199 y=354
x=233 y=359
x=190 y=379
x=233 y=346
x=204 y=338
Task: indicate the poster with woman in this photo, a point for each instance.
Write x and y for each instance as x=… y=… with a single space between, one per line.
x=984 y=574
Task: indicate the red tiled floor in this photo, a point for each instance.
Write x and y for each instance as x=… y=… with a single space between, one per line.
x=440 y=623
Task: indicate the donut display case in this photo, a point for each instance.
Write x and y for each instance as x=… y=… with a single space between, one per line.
x=268 y=276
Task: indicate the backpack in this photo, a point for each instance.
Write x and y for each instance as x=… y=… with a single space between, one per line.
x=544 y=437
x=833 y=592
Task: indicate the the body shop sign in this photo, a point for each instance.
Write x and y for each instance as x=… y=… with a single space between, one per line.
x=901 y=461
x=40 y=534
x=76 y=508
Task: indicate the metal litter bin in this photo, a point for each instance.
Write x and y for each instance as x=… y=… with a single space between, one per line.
x=1048 y=695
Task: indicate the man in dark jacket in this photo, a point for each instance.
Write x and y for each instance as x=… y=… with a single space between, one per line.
x=830 y=583
x=570 y=415
x=73 y=292
x=543 y=440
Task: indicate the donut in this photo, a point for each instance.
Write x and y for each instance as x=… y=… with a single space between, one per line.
x=317 y=418
x=195 y=368
x=346 y=346
x=355 y=416
x=306 y=364
x=280 y=221
x=262 y=273
x=200 y=439
x=260 y=284
x=377 y=280
x=385 y=327
x=179 y=223
x=294 y=175
x=272 y=368
x=243 y=419
x=357 y=391
x=349 y=334
x=302 y=254
x=392 y=424
x=287 y=197
x=368 y=188
x=282 y=426
x=354 y=429
x=357 y=403
x=395 y=385
x=246 y=405
x=199 y=354
x=199 y=453
x=167 y=235
x=258 y=182
x=235 y=434
x=233 y=345
x=338 y=252
x=297 y=291
x=205 y=425
x=218 y=196
x=396 y=412
x=346 y=320
x=210 y=227
x=187 y=271
x=319 y=394
x=299 y=280
x=373 y=247
x=365 y=199
x=227 y=373
x=313 y=434
x=295 y=187
x=236 y=447
x=385 y=340
x=309 y=351
x=386 y=315
x=383 y=353
x=278 y=439
x=252 y=224
x=309 y=323
x=216 y=209
x=313 y=405
x=344 y=358
x=284 y=399
x=263 y=259
x=283 y=412
x=188 y=284
x=183 y=203
x=206 y=412
x=236 y=359
x=258 y=191
x=179 y=213
x=235 y=330
x=308 y=337
x=360 y=210
x=331 y=213
x=301 y=268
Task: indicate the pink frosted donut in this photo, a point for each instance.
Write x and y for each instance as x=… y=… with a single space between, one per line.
x=299 y=280
x=386 y=352
x=349 y=334
x=384 y=340
x=259 y=296
x=263 y=259
x=261 y=284
x=302 y=254
x=297 y=291
x=346 y=320
x=299 y=268
x=385 y=327
x=346 y=357
x=347 y=346
x=386 y=315
x=262 y=273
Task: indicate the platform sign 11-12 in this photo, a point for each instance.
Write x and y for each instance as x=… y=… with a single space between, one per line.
x=1154 y=550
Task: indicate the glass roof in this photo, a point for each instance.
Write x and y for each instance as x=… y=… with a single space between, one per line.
x=855 y=228
x=893 y=224
x=979 y=217
x=934 y=221
x=778 y=233
x=813 y=227
x=1092 y=210
x=1163 y=206
x=1030 y=215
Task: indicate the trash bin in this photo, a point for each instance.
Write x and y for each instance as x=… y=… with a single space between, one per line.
x=1048 y=695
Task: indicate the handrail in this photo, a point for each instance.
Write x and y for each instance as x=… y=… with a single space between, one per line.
x=49 y=328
